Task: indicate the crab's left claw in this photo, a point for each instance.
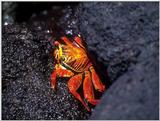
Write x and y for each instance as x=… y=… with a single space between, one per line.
x=59 y=71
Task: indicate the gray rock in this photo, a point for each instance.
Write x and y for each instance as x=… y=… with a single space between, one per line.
x=124 y=36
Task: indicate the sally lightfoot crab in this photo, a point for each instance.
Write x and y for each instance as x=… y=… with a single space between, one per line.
x=71 y=60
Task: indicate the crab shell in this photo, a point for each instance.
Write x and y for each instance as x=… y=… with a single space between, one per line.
x=71 y=60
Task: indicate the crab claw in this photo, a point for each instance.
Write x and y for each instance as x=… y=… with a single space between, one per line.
x=60 y=72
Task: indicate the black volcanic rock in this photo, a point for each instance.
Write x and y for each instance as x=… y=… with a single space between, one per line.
x=124 y=36
x=27 y=64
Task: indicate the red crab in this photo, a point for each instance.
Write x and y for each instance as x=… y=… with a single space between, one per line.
x=71 y=60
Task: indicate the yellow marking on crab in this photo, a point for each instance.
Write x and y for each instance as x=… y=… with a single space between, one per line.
x=60 y=51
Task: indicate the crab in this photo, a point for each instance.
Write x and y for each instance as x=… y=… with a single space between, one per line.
x=72 y=60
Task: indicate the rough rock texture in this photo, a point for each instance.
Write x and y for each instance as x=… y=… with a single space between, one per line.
x=8 y=13
x=27 y=65
x=124 y=36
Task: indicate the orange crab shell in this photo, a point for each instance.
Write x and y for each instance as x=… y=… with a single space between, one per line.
x=72 y=61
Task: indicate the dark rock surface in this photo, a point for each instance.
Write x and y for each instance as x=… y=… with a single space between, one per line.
x=27 y=65
x=125 y=38
x=8 y=12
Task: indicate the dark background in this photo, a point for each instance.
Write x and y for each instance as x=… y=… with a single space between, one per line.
x=122 y=38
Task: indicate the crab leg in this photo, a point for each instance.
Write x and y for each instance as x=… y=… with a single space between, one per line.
x=53 y=79
x=61 y=72
x=79 y=41
x=73 y=85
x=96 y=81
x=67 y=41
x=88 y=89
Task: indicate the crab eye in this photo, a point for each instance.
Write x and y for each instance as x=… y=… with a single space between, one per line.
x=56 y=43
